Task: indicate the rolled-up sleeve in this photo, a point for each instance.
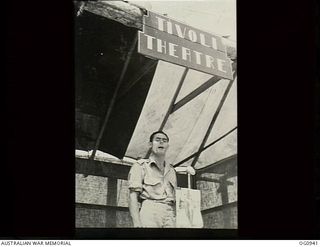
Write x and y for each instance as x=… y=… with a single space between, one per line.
x=135 y=178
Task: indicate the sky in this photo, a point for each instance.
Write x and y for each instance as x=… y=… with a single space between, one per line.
x=215 y=16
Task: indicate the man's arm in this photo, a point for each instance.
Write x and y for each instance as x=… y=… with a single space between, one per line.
x=134 y=208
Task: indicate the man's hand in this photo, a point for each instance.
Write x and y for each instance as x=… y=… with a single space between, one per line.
x=134 y=208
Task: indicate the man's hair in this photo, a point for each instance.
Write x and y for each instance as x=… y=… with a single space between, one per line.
x=157 y=132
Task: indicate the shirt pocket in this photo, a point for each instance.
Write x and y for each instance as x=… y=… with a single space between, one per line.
x=152 y=181
x=154 y=187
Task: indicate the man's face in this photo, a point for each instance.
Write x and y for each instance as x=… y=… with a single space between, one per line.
x=159 y=144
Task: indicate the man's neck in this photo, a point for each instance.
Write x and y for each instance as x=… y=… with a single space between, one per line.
x=160 y=160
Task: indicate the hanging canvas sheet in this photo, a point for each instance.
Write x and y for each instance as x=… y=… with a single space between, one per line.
x=188 y=214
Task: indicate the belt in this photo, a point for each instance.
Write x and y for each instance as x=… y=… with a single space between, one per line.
x=170 y=203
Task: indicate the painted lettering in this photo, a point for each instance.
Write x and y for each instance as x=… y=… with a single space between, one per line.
x=209 y=61
x=192 y=35
x=172 y=49
x=161 y=46
x=149 y=41
x=186 y=53
x=169 y=27
x=221 y=65
x=214 y=43
x=198 y=57
x=160 y=23
x=179 y=31
x=203 y=40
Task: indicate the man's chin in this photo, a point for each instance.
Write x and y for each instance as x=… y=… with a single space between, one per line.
x=160 y=151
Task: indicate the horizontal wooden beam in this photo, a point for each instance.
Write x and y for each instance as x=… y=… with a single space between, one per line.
x=100 y=207
x=102 y=169
x=219 y=208
x=131 y=16
x=214 y=180
x=227 y=165
x=119 y=11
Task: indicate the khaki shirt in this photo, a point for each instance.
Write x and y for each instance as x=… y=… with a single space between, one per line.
x=145 y=177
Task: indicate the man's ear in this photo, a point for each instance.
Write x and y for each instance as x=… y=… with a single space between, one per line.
x=150 y=144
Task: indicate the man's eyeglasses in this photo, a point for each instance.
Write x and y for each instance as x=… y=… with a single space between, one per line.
x=157 y=139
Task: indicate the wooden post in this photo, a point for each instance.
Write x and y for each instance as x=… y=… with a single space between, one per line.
x=214 y=118
x=173 y=100
x=204 y=148
x=196 y=92
x=111 y=214
x=223 y=189
x=189 y=181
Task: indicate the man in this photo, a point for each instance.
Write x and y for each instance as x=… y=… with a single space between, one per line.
x=153 y=181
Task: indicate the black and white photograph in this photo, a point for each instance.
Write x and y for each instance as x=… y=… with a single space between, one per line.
x=156 y=114
x=125 y=121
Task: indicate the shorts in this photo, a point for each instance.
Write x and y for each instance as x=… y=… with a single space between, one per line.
x=157 y=214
